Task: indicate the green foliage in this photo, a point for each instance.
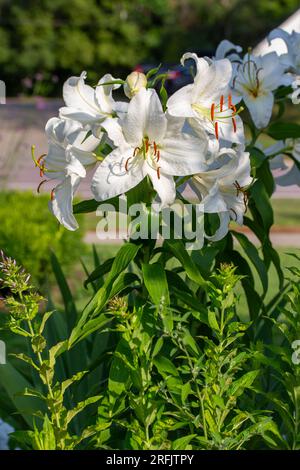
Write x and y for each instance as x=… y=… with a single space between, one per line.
x=28 y=234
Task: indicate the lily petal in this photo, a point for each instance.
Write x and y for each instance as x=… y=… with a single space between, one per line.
x=165 y=187
x=260 y=108
x=111 y=177
x=62 y=204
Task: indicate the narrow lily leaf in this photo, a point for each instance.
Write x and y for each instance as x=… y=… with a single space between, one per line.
x=284 y=130
x=253 y=255
x=156 y=283
x=125 y=255
x=14 y=383
x=179 y=251
x=70 y=308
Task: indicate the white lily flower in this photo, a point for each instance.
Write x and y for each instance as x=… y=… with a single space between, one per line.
x=227 y=50
x=5 y=430
x=222 y=189
x=148 y=142
x=87 y=105
x=254 y=82
x=292 y=40
x=208 y=102
x=70 y=152
x=292 y=176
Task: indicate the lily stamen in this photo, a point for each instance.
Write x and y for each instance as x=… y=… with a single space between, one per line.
x=212 y=111
x=221 y=102
x=126 y=163
x=216 y=130
x=234 y=124
x=40 y=185
x=158 y=172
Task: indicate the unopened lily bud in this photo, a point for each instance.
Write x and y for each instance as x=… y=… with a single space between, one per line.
x=134 y=83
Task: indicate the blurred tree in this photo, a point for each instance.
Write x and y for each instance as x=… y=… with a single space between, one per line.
x=65 y=37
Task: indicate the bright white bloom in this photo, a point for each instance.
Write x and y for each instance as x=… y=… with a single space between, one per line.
x=255 y=81
x=69 y=153
x=87 y=105
x=295 y=95
x=222 y=189
x=292 y=176
x=5 y=430
x=292 y=40
x=207 y=102
x=227 y=50
x=133 y=84
x=148 y=142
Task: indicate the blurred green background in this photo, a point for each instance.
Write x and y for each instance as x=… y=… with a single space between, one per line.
x=44 y=41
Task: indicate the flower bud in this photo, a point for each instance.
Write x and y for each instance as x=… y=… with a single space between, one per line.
x=134 y=83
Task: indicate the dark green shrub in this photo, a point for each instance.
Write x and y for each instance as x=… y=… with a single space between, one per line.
x=28 y=233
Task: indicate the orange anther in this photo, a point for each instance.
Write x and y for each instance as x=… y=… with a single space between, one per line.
x=234 y=124
x=221 y=102
x=40 y=185
x=147 y=145
x=216 y=130
x=158 y=172
x=229 y=101
x=136 y=150
x=52 y=194
x=155 y=147
x=212 y=111
x=157 y=155
x=126 y=163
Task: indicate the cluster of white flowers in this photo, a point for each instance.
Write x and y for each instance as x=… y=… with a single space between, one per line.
x=5 y=430
x=198 y=134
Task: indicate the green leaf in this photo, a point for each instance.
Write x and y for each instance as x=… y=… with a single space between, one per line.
x=185 y=391
x=243 y=382
x=284 y=130
x=91 y=205
x=153 y=71
x=156 y=283
x=87 y=322
x=213 y=321
x=119 y=374
x=14 y=384
x=253 y=255
x=257 y=157
x=84 y=207
x=99 y=272
x=191 y=269
x=165 y=367
x=70 y=308
x=183 y=442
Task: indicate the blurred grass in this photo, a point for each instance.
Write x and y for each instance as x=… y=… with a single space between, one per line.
x=286 y=212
